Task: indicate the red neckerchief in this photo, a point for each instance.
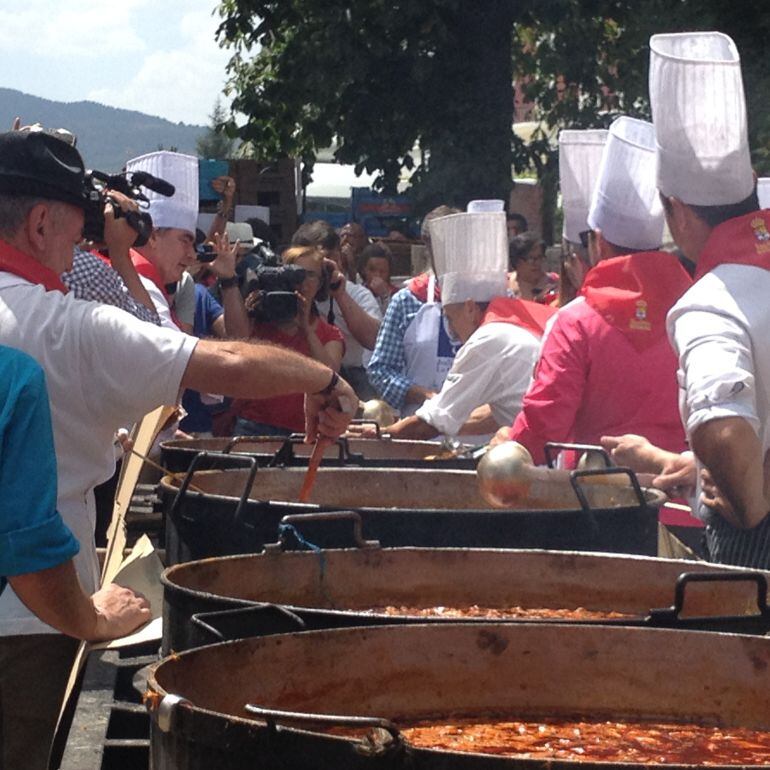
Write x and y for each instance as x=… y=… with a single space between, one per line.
x=531 y=316
x=17 y=262
x=145 y=268
x=740 y=241
x=419 y=287
x=634 y=293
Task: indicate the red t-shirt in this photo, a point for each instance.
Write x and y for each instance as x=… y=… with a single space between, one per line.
x=284 y=411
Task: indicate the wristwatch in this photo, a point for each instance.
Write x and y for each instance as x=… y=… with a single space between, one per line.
x=327 y=391
x=226 y=283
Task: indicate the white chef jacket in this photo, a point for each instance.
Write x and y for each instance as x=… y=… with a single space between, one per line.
x=355 y=353
x=720 y=329
x=102 y=367
x=493 y=367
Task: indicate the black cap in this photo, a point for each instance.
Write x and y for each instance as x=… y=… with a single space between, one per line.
x=38 y=165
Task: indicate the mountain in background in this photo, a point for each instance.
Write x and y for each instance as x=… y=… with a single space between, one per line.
x=107 y=136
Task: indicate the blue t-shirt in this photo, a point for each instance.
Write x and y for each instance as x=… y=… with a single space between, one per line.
x=207 y=310
x=33 y=535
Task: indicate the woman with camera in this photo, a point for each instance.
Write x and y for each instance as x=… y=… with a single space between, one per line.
x=283 y=312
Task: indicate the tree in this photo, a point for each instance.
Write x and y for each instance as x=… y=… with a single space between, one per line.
x=215 y=144
x=377 y=78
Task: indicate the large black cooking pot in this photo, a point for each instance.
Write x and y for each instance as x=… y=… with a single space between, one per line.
x=177 y=455
x=199 y=698
x=340 y=588
x=218 y=513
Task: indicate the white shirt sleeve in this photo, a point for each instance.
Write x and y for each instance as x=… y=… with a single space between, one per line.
x=493 y=367
x=161 y=306
x=716 y=368
x=132 y=366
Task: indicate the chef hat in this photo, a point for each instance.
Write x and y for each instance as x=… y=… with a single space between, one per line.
x=763 y=192
x=580 y=155
x=480 y=206
x=181 y=209
x=470 y=253
x=699 y=112
x=625 y=204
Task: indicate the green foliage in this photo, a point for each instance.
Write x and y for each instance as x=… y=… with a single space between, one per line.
x=215 y=144
x=375 y=78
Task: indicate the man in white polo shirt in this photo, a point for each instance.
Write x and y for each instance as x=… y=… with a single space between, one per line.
x=103 y=367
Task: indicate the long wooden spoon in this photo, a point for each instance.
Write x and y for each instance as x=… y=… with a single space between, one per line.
x=312 y=468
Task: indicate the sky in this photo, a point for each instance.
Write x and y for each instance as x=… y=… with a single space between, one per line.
x=156 y=56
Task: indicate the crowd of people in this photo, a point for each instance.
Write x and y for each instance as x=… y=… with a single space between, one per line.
x=649 y=341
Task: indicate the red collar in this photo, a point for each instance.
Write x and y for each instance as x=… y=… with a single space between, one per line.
x=634 y=293
x=419 y=287
x=531 y=316
x=17 y=262
x=740 y=241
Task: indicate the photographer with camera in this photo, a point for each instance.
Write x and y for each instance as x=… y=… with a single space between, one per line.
x=350 y=306
x=282 y=304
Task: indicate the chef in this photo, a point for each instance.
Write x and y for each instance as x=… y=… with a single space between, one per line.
x=170 y=249
x=719 y=328
x=500 y=336
x=580 y=157
x=606 y=366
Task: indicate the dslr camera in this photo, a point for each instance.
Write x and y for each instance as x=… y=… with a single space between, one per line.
x=128 y=183
x=272 y=292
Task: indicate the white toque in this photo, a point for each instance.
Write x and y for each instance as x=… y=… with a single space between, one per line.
x=625 y=205
x=580 y=155
x=763 y=192
x=480 y=206
x=699 y=112
x=181 y=209
x=470 y=253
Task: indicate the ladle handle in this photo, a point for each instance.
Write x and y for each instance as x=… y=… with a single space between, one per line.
x=552 y=445
x=303 y=518
x=257 y=620
x=670 y=615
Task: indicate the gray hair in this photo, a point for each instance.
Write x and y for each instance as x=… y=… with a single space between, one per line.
x=13 y=211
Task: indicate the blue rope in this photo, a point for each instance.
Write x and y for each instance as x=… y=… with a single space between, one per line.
x=285 y=529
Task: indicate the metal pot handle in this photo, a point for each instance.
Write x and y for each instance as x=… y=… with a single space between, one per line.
x=575 y=476
x=669 y=616
x=207 y=621
x=182 y=493
x=300 y=518
x=370 y=747
x=552 y=445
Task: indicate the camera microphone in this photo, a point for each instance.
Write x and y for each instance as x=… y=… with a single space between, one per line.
x=160 y=186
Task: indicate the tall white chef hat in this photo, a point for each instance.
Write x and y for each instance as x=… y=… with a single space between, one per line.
x=490 y=204
x=699 y=112
x=763 y=192
x=580 y=155
x=181 y=209
x=470 y=253
x=625 y=205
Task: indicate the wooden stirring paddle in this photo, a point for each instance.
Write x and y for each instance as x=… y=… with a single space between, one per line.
x=312 y=468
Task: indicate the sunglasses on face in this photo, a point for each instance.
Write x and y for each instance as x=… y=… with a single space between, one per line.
x=584 y=235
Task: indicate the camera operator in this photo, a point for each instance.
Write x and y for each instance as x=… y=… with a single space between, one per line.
x=292 y=321
x=103 y=368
